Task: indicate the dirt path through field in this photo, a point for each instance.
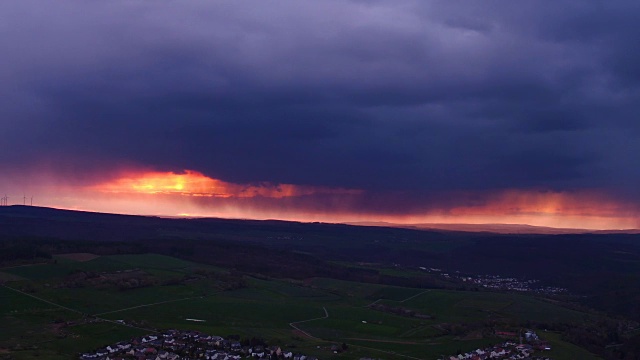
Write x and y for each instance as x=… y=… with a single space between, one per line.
x=152 y=304
x=326 y=315
x=400 y=301
x=76 y=311
x=386 y=341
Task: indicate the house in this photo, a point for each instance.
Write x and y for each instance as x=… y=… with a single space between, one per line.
x=275 y=350
x=162 y=354
x=501 y=352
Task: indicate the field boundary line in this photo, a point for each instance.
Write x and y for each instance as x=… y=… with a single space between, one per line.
x=292 y=324
x=74 y=310
x=414 y=296
x=400 y=301
x=386 y=341
x=43 y=300
x=145 y=305
x=127 y=325
x=326 y=315
x=385 y=351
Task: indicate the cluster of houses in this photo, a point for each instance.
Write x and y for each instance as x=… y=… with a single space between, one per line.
x=509 y=350
x=191 y=345
x=186 y=345
x=497 y=282
x=505 y=351
x=508 y=283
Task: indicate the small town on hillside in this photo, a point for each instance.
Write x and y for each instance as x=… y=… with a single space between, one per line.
x=527 y=348
x=188 y=344
x=192 y=345
x=497 y=282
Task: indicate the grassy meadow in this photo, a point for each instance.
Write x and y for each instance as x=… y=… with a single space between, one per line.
x=46 y=313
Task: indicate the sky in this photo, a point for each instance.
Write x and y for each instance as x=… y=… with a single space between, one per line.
x=362 y=110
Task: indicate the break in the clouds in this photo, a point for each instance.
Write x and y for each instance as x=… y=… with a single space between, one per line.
x=416 y=106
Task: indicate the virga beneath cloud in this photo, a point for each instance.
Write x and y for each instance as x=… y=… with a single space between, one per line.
x=327 y=108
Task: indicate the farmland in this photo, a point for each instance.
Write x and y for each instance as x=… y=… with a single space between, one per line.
x=45 y=314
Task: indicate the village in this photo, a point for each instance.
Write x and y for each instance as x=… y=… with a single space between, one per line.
x=186 y=344
x=508 y=350
x=496 y=282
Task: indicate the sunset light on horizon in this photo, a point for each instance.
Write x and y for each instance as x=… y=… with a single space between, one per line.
x=192 y=194
x=414 y=113
x=320 y=179
x=193 y=183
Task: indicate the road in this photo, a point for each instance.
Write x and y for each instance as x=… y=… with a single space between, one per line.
x=292 y=324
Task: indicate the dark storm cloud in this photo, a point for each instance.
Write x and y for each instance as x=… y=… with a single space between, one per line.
x=412 y=96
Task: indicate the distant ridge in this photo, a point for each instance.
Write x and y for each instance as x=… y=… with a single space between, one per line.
x=41 y=222
x=52 y=218
x=498 y=228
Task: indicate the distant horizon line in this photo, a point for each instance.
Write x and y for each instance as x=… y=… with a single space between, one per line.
x=499 y=228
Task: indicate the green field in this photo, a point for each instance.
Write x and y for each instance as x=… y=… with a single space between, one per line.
x=33 y=327
x=466 y=305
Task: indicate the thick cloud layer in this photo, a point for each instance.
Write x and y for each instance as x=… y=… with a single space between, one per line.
x=416 y=98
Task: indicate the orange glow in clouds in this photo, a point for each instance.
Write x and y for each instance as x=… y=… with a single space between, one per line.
x=582 y=209
x=192 y=183
x=579 y=209
x=191 y=193
x=546 y=203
